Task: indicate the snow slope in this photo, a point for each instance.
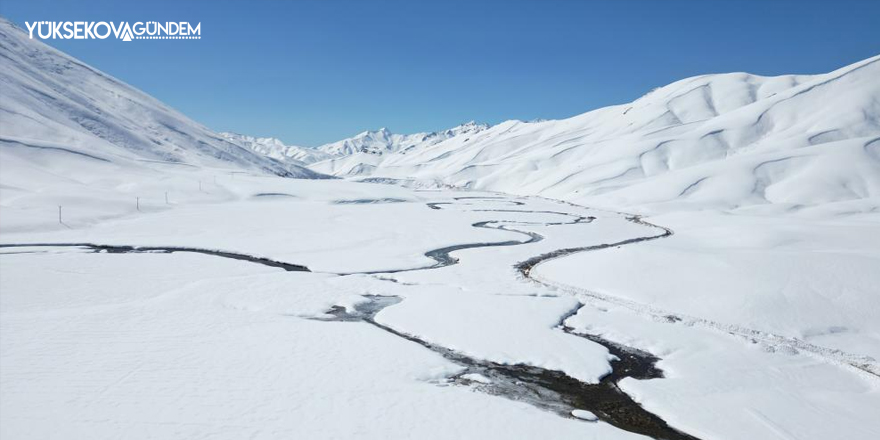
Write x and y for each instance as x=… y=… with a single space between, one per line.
x=713 y=141
x=74 y=137
x=63 y=108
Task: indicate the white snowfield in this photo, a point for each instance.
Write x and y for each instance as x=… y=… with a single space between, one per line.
x=428 y=313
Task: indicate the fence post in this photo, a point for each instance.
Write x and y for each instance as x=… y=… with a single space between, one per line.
x=138 y=203
x=59 y=215
x=166 y=197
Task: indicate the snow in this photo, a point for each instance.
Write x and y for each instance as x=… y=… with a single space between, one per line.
x=475 y=377
x=811 y=279
x=226 y=348
x=362 y=153
x=382 y=141
x=726 y=142
x=217 y=353
x=54 y=104
x=720 y=386
x=761 y=307
x=518 y=329
x=275 y=149
x=584 y=415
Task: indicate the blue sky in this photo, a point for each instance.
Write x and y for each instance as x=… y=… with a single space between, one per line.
x=310 y=72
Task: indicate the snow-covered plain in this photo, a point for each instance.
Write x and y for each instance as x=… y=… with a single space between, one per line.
x=761 y=307
x=220 y=349
x=183 y=345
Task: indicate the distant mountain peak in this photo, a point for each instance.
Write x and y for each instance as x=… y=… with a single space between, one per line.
x=276 y=149
x=383 y=141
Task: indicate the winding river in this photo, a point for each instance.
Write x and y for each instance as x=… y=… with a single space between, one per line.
x=546 y=389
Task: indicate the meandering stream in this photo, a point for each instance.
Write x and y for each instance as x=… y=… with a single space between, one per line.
x=546 y=389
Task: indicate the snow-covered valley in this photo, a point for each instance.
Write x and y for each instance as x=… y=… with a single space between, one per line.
x=700 y=263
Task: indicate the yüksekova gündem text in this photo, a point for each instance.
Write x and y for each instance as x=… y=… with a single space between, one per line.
x=84 y=30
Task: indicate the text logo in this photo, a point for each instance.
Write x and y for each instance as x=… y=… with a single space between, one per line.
x=89 y=30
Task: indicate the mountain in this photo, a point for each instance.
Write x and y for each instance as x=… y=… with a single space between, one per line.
x=359 y=154
x=383 y=141
x=275 y=149
x=362 y=149
x=55 y=103
x=724 y=141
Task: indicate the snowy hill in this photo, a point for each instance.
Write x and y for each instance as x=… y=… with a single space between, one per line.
x=275 y=149
x=372 y=142
x=364 y=149
x=383 y=141
x=361 y=153
x=714 y=141
x=55 y=103
x=74 y=137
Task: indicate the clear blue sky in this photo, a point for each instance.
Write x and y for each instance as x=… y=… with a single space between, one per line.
x=311 y=72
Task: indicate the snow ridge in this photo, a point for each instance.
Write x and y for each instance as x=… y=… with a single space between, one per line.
x=726 y=141
x=275 y=149
x=382 y=141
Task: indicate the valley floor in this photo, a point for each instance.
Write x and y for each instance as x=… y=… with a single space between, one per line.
x=432 y=314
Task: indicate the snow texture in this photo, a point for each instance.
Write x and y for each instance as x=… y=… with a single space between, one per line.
x=752 y=284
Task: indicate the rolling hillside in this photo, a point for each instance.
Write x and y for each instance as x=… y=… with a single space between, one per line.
x=714 y=141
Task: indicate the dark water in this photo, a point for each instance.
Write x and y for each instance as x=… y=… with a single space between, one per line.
x=550 y=390
x=122 y=249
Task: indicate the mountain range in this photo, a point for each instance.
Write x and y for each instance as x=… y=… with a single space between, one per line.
x=722 y=141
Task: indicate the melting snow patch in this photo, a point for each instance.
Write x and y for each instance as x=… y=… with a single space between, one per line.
x=475 y=377
x=584 y=415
